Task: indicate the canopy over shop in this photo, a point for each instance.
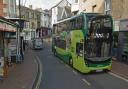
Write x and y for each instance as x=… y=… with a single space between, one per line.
x=7 y=28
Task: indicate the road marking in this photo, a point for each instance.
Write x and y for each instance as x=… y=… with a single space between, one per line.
x=67 y=66
x=61 y=61
x=113 y=74
x=40 y=75
x=75 y=72
x=84 y=80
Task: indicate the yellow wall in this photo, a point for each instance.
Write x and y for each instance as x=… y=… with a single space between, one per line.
x=119 y=8
x=88 y=4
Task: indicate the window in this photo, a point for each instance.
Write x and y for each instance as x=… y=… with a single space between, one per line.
x=32 y=15
x=107 y=6
x=84 y=0
x=76 y=1
x=84 y=10
x=76 y=23
x=60 y=43
x=27 y=15
x=99 y=41
x=45 y=23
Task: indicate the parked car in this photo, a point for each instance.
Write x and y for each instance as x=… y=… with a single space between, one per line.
x=37 y=43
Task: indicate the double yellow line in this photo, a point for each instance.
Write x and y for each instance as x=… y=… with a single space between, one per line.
x=37 y=86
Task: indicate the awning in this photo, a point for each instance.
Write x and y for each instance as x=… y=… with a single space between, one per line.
x=7 y=27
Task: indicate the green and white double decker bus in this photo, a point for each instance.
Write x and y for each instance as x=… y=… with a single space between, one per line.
x=84 y=41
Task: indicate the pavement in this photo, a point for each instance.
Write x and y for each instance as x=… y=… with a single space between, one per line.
x=120 y=69
x=58 y=75
x=22 y=76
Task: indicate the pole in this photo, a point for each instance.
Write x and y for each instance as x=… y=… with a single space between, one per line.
x=18 y=34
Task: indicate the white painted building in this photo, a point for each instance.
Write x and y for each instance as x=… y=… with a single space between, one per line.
x=45 y=18
x=59 y=10
x=75 y=6
x=45 y=27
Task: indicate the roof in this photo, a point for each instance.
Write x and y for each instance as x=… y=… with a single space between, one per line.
x=78 y=16
x=2 y=19
x=22 y=7
x=59 y=3
x=17 y=19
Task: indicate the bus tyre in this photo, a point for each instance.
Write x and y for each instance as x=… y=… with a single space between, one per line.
x=107 y=70
x=124 y=58
x=71 y=62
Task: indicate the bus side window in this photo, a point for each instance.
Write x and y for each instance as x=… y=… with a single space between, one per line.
x=80 y=23
x=79 y=49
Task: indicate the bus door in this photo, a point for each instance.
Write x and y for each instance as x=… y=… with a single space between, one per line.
x=79 y=50
x=79 y=62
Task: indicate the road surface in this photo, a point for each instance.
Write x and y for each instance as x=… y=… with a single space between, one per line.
x=58 y=75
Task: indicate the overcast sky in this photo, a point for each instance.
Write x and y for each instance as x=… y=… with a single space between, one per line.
x=44 y=4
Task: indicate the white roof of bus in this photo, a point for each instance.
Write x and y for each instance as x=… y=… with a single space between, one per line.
x=74 y=17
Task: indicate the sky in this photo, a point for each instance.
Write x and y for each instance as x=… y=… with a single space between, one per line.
x=44 y=4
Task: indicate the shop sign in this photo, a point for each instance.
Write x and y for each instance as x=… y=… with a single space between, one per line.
x=124 y=25
x=2 y=26
x=7 y=27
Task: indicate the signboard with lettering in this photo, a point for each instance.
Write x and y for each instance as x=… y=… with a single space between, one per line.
x=124 y=25
x=7 y=27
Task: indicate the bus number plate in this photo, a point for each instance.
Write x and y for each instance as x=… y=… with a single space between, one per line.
x=100 y=70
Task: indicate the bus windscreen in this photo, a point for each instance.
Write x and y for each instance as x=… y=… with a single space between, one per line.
x=99 y=40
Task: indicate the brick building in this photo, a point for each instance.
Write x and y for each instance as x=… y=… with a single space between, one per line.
x=33 y=18
x=3 y=6
x=8 y=8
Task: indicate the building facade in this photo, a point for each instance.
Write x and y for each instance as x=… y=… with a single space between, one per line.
x=8 y=8
x=45 y=29
x=45 y=18
x=90 y=6
x=116 y=8
x=32 y=17
x=60 y=11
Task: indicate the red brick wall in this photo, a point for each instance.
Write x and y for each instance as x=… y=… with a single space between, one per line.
x=1 y=8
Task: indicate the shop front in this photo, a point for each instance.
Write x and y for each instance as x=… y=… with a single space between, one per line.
x=123 y=41
x=6 y=29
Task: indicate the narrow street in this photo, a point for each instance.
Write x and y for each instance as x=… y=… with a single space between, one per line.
x=58 y=75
